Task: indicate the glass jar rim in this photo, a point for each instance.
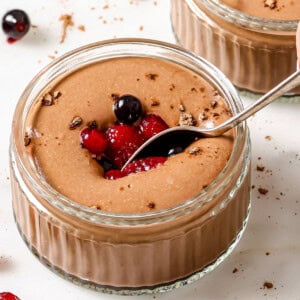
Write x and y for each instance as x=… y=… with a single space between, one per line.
x=78 y=56
x=247 y=21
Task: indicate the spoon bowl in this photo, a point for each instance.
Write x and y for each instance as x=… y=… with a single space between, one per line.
x=182 y=136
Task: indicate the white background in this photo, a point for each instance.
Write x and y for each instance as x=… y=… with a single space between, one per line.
x=274 y=223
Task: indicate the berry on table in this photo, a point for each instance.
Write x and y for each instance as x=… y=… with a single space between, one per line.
x=152 y=124
x=93 y=140
x=8 y=296
x=15 y=24
x=127 y=109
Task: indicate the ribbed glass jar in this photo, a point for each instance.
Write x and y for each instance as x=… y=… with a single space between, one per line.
x=130 y=253
x=254 y=53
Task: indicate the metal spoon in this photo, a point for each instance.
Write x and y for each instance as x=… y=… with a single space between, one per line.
x=158 y=144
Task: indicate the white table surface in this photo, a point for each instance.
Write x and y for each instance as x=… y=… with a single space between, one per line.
x=274 y=223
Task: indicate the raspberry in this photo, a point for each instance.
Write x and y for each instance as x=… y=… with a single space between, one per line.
x=152 y=124
x=113 y=174
x=8 y=296
x=144 y=164
x=93 y=140
x=123 y=140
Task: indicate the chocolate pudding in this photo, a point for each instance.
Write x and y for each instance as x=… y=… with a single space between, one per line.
x=145 y=232
x=87 y=93
x=252 y=42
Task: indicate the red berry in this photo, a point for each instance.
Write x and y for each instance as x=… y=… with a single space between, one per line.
x=8 y=296
x=144 y=164
x=113 y=174
x=123 y=140
x=93 y=140
x=152 y=124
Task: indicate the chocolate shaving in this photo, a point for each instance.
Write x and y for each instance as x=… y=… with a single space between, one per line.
x=27 y=140
x=76 y=121
x=151 y=76
x=271 y=3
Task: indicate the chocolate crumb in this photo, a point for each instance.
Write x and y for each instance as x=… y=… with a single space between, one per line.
x=260 y=168
x=67 y=21
x=151 y=205
x=195 y=150
x=270 y=3
x=92 y=125
x=263 y=191
x=81 y=27
x=215 y=115
x=268 y=285
x=115 y=96
x=186 y=119
x=267 y=253
x=172 y=87
x=151 y=76
x=49 y=98
x=181 y=108
x=96 y=207
x=154 y=102
x=203 y=116
x=193 y=89
x=235 y=270
x=213 y=103
x=268 y=138
x=27 y=140
x=76 y=121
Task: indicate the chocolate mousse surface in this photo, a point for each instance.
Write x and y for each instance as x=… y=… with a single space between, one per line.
x=270 y=9
x=164 y=88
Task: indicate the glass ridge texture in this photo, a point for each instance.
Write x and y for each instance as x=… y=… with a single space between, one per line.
x=254 y=53
x=161 y=250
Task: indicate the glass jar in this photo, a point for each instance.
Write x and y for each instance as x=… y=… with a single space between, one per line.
x=254 y=53
x=130 y=253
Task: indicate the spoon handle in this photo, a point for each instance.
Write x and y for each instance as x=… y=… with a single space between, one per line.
x=284 y=86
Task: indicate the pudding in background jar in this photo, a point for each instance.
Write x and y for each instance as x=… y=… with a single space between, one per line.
x=252 y=42
x=145 y=232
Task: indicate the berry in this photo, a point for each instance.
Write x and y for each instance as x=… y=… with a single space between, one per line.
x=144 y=164
x=127 y=109
x=15 y=24
x=93 y=140
x=8 y=296
x=123 y=140
x=152 y=124
x=113 y=174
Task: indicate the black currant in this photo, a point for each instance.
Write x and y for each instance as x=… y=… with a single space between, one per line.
x=15 y=24
x=127 y=109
